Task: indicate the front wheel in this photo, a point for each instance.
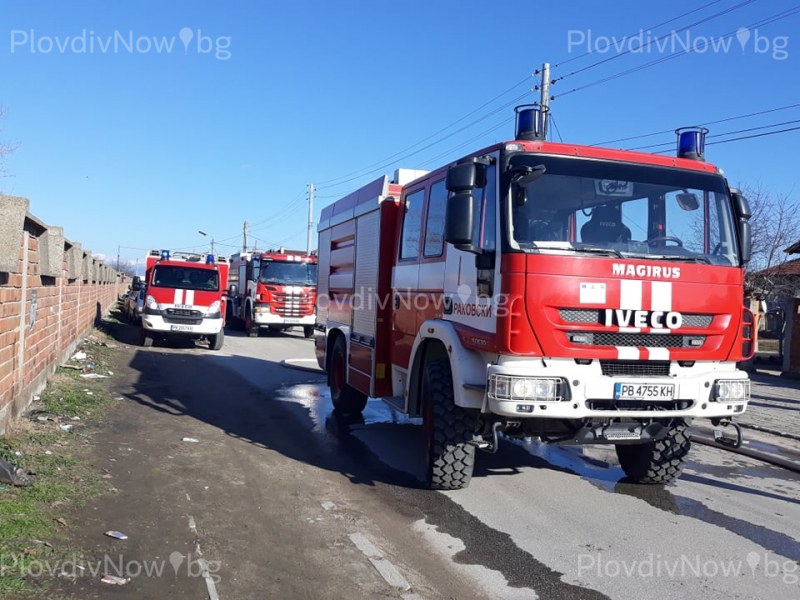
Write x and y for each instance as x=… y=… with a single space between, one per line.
x=215 y=341
x=250 y=326
x=656 y=462
x=145 y=339
x=449 y=429
x=346 y=399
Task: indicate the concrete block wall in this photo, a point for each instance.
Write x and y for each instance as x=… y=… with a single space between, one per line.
x=51 y=293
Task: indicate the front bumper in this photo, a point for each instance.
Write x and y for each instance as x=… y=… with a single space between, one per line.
x=268 y=318
x=157 y=324
x=587 y=393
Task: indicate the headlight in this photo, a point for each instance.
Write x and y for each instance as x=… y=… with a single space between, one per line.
x=151 y=307
x=533 y=389
x=732 y=390
x=262 y=308
x=215 y=307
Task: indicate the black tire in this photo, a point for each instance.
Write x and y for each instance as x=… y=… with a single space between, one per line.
x=250 y=326
x=308 y=331
x=215 y=341
x=145 y=339
x=656 y=462
x=346 y=399
x=449 y=429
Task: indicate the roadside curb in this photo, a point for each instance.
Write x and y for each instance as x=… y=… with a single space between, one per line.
x=293 y=363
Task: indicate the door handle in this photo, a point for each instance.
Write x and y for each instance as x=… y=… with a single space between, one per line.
x=397 y=300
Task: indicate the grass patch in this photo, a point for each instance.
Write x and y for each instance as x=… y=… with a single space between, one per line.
x=30 y=530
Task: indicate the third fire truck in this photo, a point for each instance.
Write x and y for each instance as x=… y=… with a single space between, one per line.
x=184 y=297
x=274 y=290
x=576 y=294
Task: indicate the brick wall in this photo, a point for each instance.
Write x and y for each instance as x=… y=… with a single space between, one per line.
x=51 y=292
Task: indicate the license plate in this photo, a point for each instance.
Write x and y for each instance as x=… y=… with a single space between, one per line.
x=180 y=328
x=292 y=321
x=644 y=391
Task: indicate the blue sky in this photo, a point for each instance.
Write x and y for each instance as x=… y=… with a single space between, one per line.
x=138 y=148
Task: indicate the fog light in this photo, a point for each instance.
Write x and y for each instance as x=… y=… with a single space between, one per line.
x=533 y=389
x=732 y=390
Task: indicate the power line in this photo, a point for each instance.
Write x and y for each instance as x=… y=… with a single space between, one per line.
x=776 y=17
x=686 y=14
x=656 y=40
x=329 y=182
x=430 y=145
x=716 y=135
x=744 y=137
x=737 y=117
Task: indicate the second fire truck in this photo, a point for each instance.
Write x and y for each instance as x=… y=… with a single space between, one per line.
x=275 y=290
x=576 y=294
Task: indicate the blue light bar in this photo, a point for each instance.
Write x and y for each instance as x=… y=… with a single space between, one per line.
x=530 y=122
x=210 y=259
x=165 y=255
x=691 y=142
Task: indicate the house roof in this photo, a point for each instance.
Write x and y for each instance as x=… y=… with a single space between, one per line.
x=791 y=267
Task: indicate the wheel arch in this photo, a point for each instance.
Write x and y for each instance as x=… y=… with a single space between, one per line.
x=332 y=335
x=468 y=366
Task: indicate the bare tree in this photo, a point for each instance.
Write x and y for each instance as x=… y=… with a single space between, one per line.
x=775 y=225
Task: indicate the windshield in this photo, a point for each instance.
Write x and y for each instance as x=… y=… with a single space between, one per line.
x=288 y=273
x=185 y=278
x=620 y=209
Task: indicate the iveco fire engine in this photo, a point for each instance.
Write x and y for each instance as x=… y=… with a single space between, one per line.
x=274 y=290
x=185 y=297
x=575 y=294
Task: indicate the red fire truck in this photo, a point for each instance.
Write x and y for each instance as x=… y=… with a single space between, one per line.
x=575 y=294
x=185 y=297
x=276 y=290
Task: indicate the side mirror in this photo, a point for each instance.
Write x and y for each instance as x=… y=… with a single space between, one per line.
x=459 y=219
x=232 y=289
x=466 y=176
x=741 y=208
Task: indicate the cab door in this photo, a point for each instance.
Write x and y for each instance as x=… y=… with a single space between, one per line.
x=405 y=277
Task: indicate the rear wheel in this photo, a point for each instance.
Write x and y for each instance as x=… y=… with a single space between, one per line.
x=346 y=399
x=656 y=462
x=308 y=331
x=215 y=341
x=449 y=429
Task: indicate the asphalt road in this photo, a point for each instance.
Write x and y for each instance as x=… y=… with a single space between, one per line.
x=288 y=501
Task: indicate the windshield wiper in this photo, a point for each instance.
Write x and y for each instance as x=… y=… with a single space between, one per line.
x=678 y=257
x=597 y=250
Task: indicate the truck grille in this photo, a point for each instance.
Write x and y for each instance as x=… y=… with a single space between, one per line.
x=183 y=316
x=184 y=312
x=646 y=340
x=638 y=405
x=585 y=315
x=292 y=305
x=635 y=368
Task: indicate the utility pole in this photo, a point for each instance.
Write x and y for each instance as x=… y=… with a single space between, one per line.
x=118 y=258
x=244 y=238
x=544 y=101
x=310 y=216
